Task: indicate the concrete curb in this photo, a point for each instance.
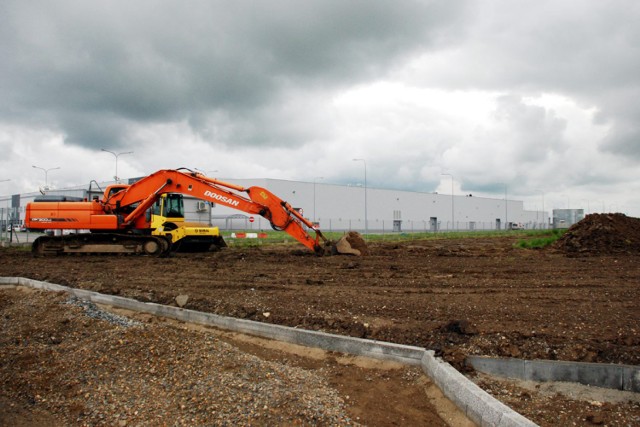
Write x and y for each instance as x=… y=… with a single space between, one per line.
x=618 y=377
x=477 y=404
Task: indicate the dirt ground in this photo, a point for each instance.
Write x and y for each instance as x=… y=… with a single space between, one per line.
x=457 y=296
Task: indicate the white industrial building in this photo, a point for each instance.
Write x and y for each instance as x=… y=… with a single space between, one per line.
x=340 y=207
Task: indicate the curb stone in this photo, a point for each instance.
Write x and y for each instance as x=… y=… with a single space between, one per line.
x=606 y=375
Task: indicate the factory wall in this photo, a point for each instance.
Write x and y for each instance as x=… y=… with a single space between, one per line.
x=340 y=207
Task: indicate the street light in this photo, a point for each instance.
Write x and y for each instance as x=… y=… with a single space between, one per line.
x=544 y=215
x=46 y=175
x=506 y=207
x=116 y=155
x=452 y=209
x=314 y=197
x=366 y=225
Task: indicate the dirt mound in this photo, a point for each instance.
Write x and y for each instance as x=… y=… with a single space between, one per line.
x=357 y=242
x=602 y=234
x=351 y=243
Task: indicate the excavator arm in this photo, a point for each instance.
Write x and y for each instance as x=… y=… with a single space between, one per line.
x=253 y=200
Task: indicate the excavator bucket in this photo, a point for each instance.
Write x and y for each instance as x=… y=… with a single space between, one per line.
x=351 y=243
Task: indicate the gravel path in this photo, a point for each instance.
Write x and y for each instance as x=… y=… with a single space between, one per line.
x=68 y=362
x=86 y=366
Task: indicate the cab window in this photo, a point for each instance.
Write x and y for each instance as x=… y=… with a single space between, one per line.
x=174 y=207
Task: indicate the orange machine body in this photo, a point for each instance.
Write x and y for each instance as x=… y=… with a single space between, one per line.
x=69 y=215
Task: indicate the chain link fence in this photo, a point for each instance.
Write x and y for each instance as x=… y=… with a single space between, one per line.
x=12 y=227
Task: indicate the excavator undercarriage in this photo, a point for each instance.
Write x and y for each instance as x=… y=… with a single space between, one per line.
x=101 y=243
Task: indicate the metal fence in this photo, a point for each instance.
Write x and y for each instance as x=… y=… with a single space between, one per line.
x=9 y=216
x=242 y=223
x=11 y=220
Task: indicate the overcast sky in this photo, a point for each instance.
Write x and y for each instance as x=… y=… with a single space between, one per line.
x=541 y=98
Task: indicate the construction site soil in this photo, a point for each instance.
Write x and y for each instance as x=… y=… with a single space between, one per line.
x=574 y=301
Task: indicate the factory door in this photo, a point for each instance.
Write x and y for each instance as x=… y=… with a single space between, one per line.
x=397 y=221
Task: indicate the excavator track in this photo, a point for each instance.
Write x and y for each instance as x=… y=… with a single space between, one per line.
x=101 y=243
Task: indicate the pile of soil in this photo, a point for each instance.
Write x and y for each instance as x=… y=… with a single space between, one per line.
x=351 y=243
x=357 y=242
x=602 y=234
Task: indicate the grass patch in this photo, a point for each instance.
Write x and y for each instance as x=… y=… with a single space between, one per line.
x=541 y=241
x=280 y=237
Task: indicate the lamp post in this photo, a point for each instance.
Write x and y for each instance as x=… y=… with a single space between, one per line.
x=314 y=197
x=46 y=175
x=453 y=221
x=116 y=155
x=366 y=225
x=506 y=207
x=544 y=216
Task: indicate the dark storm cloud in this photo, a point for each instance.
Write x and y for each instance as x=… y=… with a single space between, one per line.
x=568 y=46
x=621 y=112
x=624 y=140
x=585 y=51
x=534 y=131
x=91 y=69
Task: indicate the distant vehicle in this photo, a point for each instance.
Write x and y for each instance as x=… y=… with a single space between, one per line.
x=517 y=226
x=14 y=227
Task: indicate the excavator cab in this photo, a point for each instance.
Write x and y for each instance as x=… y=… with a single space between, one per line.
x=169 y=207
x=167 y=220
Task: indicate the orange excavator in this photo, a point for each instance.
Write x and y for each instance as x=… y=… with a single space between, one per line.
x=119 y=223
